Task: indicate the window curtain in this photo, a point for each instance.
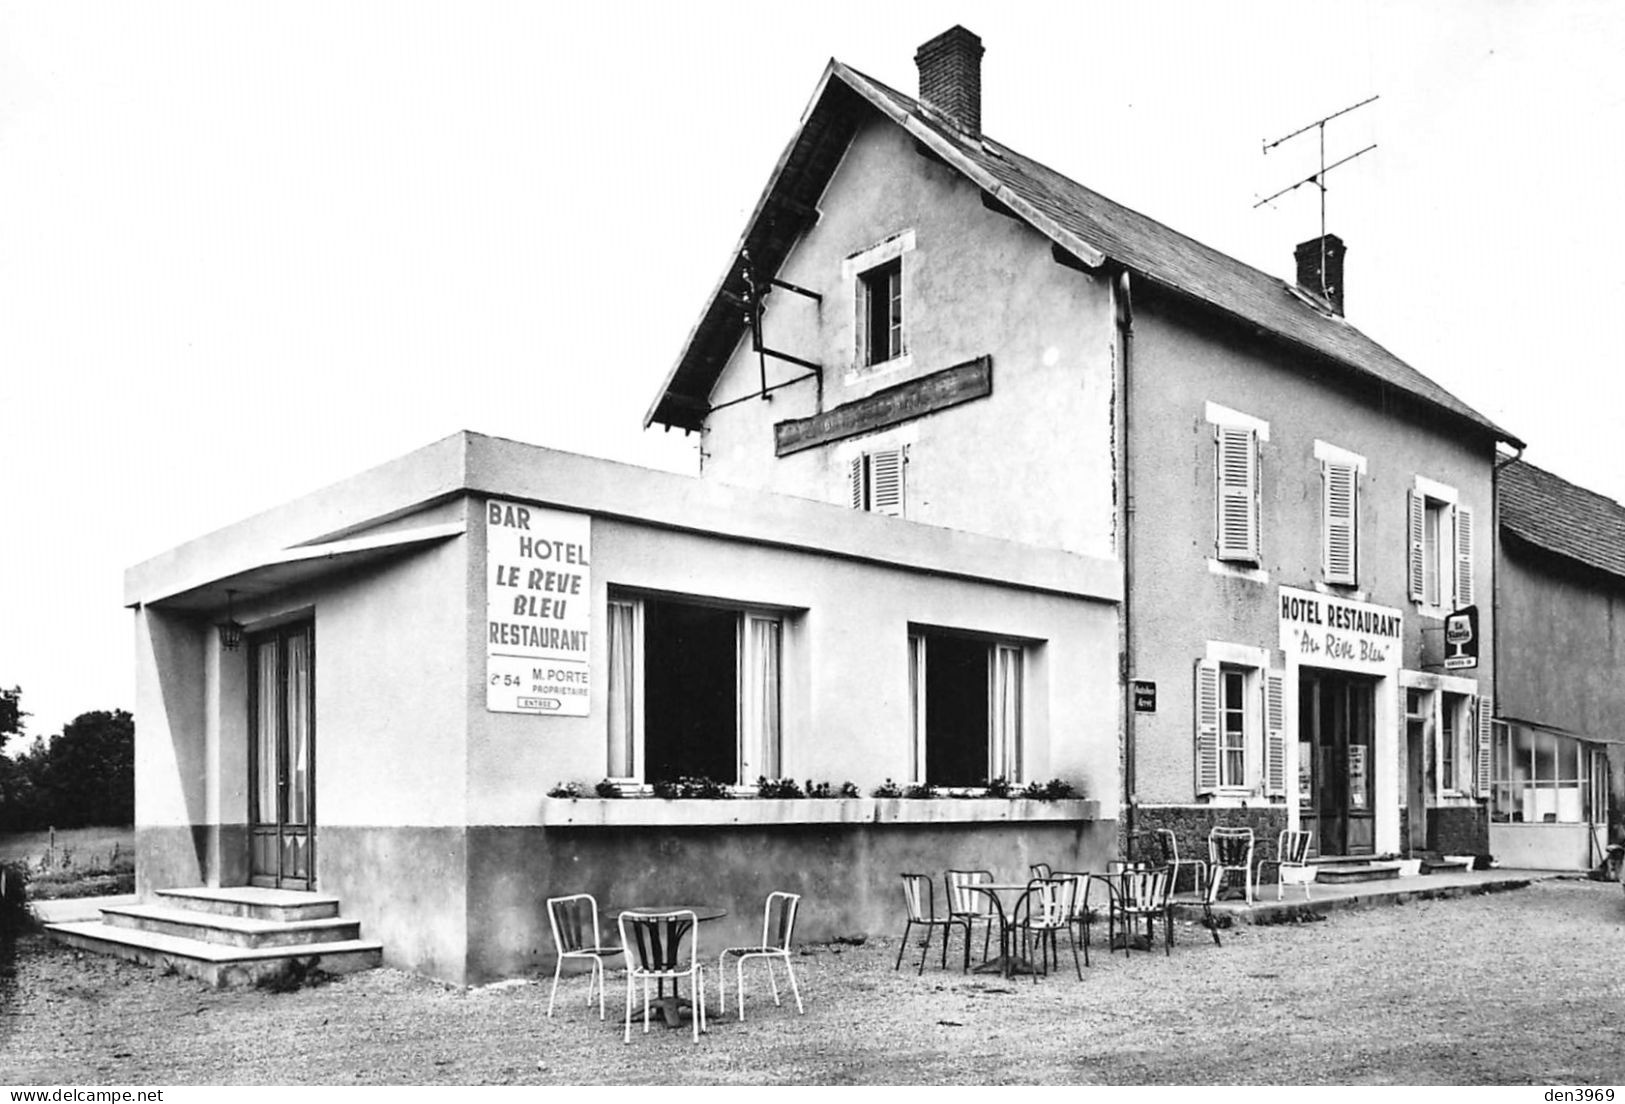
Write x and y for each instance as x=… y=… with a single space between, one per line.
x=916 y=698
x=622 y=689
x=1005 y=707
x=763 y=644
x=298 y=706
x=265 y=733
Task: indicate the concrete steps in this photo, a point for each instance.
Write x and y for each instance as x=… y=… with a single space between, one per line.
x=238 y=935
x=1343 y=873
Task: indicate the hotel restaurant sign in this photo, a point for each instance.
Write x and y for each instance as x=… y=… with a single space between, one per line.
x=1320 y=630
x=538 y=609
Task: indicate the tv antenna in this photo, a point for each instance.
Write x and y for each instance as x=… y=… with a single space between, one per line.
x=1319 y=178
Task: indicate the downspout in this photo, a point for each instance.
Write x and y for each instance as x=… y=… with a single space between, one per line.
x=1123 y=307
x=1495 y=608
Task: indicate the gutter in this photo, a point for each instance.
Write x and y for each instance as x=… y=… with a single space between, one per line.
x=1123 y=311
x=1495 y=575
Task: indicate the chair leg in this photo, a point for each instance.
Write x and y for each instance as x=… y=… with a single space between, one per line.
x=904 y=945
x=1072 y=938
x=739 y=986
x=627 y=1037
x=946 y=930
x=697 y=987
x=556 y=968
x=773 y=980
x=793 y=987
x=598 y=969
x=722 y=984
x=925 y=949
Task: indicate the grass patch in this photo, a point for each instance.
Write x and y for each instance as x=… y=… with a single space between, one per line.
x=75 y=862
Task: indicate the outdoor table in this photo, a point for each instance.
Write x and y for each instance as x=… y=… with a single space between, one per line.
x=1009 y=962
x=670 y=1007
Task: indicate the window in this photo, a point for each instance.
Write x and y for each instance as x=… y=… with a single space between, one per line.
x=1449 y=734
x=880 y=313
x=1543 y=777
x=694 y=689
x=1240 y=729
x=1441 y=549
x=1341 y=517
x=875 y=481
x=1237 y=467
x=968 y=700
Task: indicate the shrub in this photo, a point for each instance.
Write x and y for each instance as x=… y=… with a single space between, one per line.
x=567 y=789
x=923 y=791
x=887 y=788
x=14 y=915
x=666 y=788
x=692 y=786
x=606 y=788
x=1000 y=787
x=1053 y=790
x=779 y=787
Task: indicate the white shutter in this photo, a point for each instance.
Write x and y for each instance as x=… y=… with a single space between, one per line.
x=886 y=482
x=894 y=311
x=854 y=479
x=1238 y=494
x=1416 y=580
x=1207 y=727
x=1464 y=556
x=1482 y=745
x=862 y=356
x=1340 y=482
x=1274 y=734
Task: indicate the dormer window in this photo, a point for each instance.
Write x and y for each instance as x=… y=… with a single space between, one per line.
x=880 y=313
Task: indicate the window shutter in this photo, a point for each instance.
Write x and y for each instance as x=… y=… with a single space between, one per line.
x=1238 y=494
x=1416 y=581
x=854 y=479
x=1341 y=517
x=1404 y=730
x=894 y=291
x=1464 y=556
x=1207 y=727
x=861 y=323
x=886 y=482
x=1483 y=745
x=1274 y=735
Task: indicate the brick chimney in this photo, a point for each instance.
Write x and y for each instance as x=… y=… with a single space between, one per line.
x=950 y=68
x=1320 y=269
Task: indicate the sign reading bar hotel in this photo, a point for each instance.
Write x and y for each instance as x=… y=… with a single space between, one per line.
x=1321 y=630
x=538 y=609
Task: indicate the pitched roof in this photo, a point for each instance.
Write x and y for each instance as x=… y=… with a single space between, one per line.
x=1083 y=224
x=1554 y=514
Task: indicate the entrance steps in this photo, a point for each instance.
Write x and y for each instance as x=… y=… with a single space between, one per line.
x=227 y=936
x=1343 y=873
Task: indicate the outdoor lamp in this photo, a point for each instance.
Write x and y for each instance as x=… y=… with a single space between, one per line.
x=231 y=630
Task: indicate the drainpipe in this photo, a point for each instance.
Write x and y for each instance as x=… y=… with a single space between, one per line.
x=1495 y=608
x=1123 y=304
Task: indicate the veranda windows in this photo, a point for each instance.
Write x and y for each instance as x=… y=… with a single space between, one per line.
x=967 y=697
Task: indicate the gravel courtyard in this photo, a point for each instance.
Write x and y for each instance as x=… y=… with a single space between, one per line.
x=1520 y=987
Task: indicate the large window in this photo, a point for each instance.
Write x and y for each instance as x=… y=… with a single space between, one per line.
x=1542 y=777
x=694 y=690
x=968 y=697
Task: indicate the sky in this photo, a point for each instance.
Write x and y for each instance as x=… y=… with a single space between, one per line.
x=250 y=249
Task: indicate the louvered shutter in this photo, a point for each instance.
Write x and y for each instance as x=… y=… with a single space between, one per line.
x=1416 y=581
x=1404 y=730
x=864 y=356
x=1464 y=557
x=1341 y=519
x=854 y=479
x=1274 y=735
x=1207 y=727
x=894 y=312
x=1238 y=494
x=1483 y=745
x=886 y=481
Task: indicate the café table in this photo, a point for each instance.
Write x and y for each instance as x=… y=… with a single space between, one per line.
x=670 y=1006
x=1009 y=961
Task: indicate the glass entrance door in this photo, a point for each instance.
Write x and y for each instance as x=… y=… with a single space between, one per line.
x=282 y=735
x=1336 y=732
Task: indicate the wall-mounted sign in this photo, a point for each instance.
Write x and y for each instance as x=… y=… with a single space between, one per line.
x=538 y=609
x=1321 y=630
x=1145 y=696
x=1461 y=639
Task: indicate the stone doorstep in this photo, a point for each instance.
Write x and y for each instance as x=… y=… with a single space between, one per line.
x=1362 y=872
x=213 y=963
x=236 y=931
x=1267 y=910
x=253 y=902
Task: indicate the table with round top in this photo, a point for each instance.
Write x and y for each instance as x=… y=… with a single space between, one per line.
x=1008 y=962
x=670 y=1006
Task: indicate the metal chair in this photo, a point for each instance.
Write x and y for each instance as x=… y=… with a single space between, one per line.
x=575 y=935
x=1291 y=854
x=778 y=925
x=654 y=952
x=1042 y=912
x=920 y=900
x=1167 y=846
x=971 y=907
x=1229 y=850
x=1041 y=870
x=1082 y=915
x=1140 y=894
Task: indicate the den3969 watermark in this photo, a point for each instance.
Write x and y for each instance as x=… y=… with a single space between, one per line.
x=1580 y=1096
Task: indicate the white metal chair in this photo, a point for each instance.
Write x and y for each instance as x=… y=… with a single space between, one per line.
x=778 y=926
x=971 y=907
x=1291 y=862
x=654 y=952
x=1168 y=845
x=1043 y=911
x=575 y=935
x=1229 y=850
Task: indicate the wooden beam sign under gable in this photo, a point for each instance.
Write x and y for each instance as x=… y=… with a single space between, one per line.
x=891 y=406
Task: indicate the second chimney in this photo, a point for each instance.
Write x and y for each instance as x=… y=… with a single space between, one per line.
x=1320 y=269
x=950 y=68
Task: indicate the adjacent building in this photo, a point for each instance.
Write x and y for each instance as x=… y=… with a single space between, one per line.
x=919 y=320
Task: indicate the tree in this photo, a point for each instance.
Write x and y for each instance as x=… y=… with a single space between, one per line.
x=11 y=714
x=87 y=775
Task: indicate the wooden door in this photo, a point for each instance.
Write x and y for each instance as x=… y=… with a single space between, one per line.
x=282 y=757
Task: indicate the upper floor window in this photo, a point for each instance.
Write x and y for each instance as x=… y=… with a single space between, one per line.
x=1440 y=573
x=1340 y=513
x=880 y=313
x=875 y=481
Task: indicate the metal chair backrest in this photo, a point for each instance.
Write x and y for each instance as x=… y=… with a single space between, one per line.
x=655 y=941
x=779 y=919
x=1231 y=847
x=1145 y=889
x=1292 y=848
x=968 y=902
x=575 y=922
x=1041 y=870
x=1055 y=901
x=921 y=902
x=1080 y=892
x=1167 y=847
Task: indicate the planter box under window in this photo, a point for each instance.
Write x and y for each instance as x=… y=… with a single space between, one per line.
x=597 y=812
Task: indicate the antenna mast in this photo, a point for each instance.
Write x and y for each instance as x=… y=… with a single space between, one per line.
x=1319 y=178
